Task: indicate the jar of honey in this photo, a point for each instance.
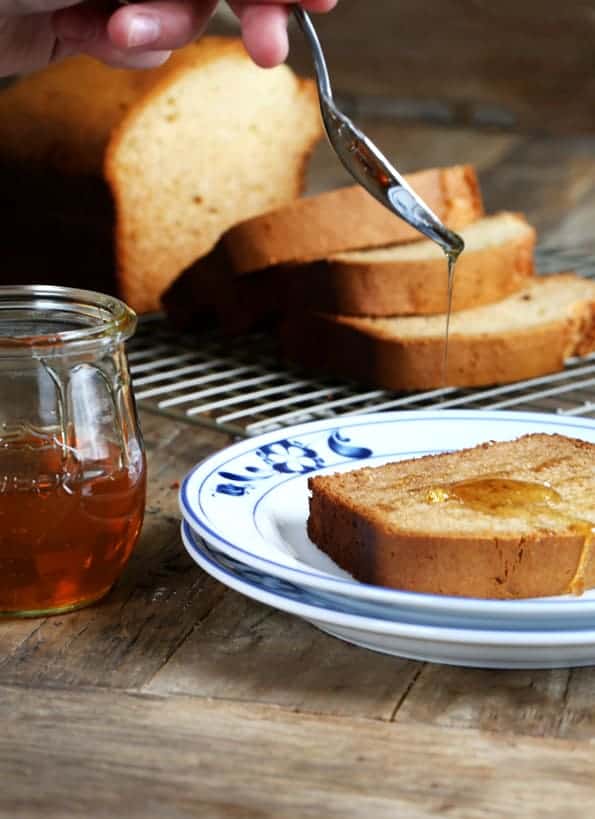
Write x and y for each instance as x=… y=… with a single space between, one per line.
x=72 y=464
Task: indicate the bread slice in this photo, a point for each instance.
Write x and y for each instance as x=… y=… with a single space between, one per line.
x=193 y=146
x=214 y=142
x=497 y=261
x=402 y=279
x=316 y=227
x=411 y=279
x=502 y=520
x=527 y=334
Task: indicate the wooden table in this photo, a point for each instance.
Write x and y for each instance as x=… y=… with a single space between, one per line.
x=176 y=697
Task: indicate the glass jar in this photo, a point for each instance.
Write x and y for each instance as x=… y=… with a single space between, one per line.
x=72 y=464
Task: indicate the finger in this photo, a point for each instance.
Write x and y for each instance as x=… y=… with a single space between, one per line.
x=264 y=27
x=103 y=50
x=159 y=25
x=264 y=31
x=84 y=29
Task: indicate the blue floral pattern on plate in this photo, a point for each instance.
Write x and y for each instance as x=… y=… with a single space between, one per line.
x=287 y=457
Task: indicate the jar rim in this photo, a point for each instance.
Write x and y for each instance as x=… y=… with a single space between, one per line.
x=108 y=319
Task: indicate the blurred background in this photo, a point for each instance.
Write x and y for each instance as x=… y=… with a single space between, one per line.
x=528 y=64
x=507 y=85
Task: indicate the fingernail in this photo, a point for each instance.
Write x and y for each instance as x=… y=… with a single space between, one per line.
x=143 y=31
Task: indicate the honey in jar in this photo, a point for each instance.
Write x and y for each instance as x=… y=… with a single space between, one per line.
x=72 y=466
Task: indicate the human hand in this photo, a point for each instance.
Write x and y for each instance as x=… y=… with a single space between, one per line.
x=264 y=26
x=35 y=33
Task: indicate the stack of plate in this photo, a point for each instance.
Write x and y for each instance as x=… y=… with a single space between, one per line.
x=245 y=512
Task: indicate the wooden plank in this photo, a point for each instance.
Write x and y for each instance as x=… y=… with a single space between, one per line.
x=529 y=703
x=89 y=754
x=245 y=651
x=14 y=632
x=526 y=64
x=123 y=640
x=576 y=719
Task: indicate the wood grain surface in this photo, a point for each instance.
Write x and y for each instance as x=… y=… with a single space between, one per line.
x=175 y=697
x=178 y=757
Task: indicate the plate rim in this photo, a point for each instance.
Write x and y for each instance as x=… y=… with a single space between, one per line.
x=544 y=638
x=336 y=585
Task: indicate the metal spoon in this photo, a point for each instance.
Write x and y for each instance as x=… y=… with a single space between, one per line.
x=366 y=163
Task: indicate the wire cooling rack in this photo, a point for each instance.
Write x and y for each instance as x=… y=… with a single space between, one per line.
x=240 y=387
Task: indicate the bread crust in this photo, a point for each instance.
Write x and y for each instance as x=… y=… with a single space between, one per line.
x=61 y=118
x=354 y=348
x=363 y=544
x=316 y=227
x=414 y=287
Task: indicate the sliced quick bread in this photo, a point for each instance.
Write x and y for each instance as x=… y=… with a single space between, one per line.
x=527 y=334
x=411 y=279
x=400 y=280
x=502 y=520
x=316 y=227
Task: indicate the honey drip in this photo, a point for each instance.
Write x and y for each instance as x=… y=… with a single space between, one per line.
x=507 y=497
x=451 y=261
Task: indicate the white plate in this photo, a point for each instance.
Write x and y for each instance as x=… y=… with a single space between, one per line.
x=250 y=501
x=455 y=646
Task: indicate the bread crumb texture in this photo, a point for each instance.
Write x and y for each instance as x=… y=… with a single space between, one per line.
x=528 y=334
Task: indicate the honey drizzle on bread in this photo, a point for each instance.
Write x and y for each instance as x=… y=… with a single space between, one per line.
x=508 y=497
x=377 y=524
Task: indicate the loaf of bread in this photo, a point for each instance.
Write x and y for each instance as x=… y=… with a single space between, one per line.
x=502 y=520
x=317 y=227
x=528 y=334
x=411 y=279
x=167 y=160
x=215 y=142
x=57 y=213
x=62 y=118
